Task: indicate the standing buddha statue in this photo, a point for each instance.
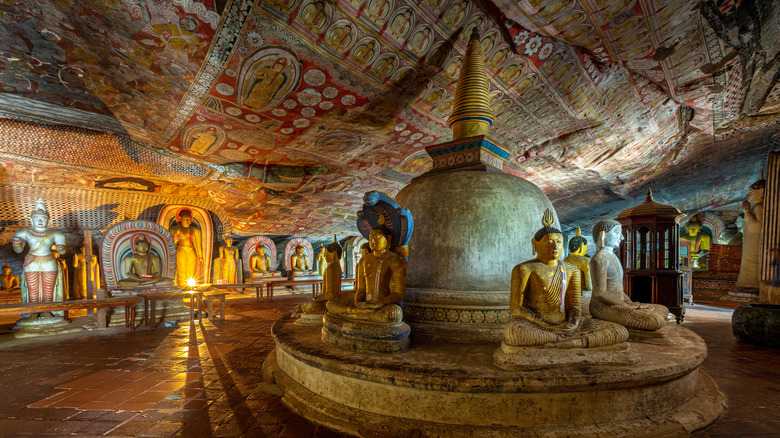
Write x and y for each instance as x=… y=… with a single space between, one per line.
x=331 y=281
x=189 y=253
x=752 y=231
x=80 y=266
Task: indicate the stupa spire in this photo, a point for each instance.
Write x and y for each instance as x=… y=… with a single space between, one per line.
x=471 y=113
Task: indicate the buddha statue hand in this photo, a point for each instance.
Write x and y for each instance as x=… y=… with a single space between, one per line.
x=365 y=305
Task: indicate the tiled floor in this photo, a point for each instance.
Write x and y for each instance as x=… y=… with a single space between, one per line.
x=203 y=381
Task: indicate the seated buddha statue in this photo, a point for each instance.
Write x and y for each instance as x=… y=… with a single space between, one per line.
x=701 y=242
x=260 y=264
x=142 y=267
x=331 y=281
x=609 y=302
x=9 y=282
x=578 y=247
x=381 y=285
x=545 y=301
x=299 y=264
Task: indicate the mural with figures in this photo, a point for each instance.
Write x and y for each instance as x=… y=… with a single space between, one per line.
x=284 y=112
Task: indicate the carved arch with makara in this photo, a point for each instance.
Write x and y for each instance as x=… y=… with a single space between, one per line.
x=118 y=243
x=169 y=217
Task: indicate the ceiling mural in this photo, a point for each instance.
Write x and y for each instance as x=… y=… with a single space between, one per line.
x=284 y=112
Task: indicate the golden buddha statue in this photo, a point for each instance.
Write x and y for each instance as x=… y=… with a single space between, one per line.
x=609 y=302
x=80 y=266
x=226 y=266
x=381 y=286
x=260 y=264
x=578 y=247
x=331 y=281
x=189 y=253
x=299 y=263
x=545 y=301
x=701 y=243
x=9 y=282
x=321 y=261
x=142 y=267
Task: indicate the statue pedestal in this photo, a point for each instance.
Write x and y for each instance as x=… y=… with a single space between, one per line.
x=365 y=336
x=510 y=357
x=44 y=326
x=311 y=319
x=455 y=390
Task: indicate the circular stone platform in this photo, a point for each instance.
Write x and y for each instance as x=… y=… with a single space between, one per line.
x=455 y=390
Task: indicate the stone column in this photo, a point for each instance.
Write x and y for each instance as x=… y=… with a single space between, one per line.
x=770 y=241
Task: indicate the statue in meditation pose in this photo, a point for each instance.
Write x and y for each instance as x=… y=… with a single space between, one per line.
x=609 y=302
x=381 y=286
x=545 y=301
x=142 y=268
x=700 y=243
x=41 y=273
x=226 y=266
x=299 y=262
x=578 y=247
x=752 y=231
x=331 y=281
x=260 y=264
x=9 y=282
x=80 y=266
x=189 y=254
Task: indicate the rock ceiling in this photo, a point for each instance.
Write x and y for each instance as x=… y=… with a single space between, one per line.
x=281 y=113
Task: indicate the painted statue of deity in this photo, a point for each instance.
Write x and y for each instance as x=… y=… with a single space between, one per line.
x=383 y=285
x=41 y=274
x=9 y=282
x=700 y=243
x=80 y=266
x=578 y=247
x=227 y=266
x=142 y=267
x=609 y=302
x=260 y=264
x=189 y=254
x=545 y=301
x=299 y=263
x=331 y=281
x=752 y=231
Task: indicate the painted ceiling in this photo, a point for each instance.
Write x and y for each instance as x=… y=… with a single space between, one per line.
x=282 y=113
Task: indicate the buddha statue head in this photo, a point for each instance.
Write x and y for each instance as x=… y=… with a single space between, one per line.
x=365 y=249
x=607 y=233
x=39 y=218
x=6 y=269
x=578 y=245
x=299 y=250
x=185 y=217
x=260 y=250
x=379 y=239
x=548 y=241
x=756 y=192
x=141 y=245
x=229 y=241
x=693 y=227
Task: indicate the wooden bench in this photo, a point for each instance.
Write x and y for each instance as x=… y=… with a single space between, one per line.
x=128 y=303
x=150 y=304
x=210 y=297
x=316 y=286
x=256 y=285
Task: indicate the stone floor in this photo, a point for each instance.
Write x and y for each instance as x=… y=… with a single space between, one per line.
x=204 y=380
